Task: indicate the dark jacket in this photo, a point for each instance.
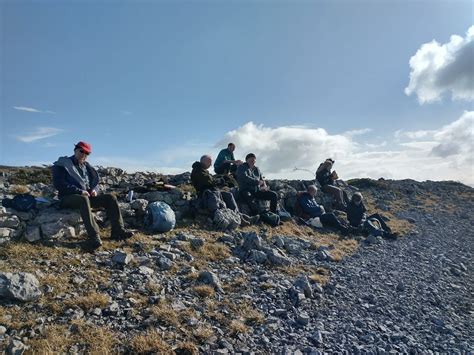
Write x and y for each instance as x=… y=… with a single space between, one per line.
x=324 y=176
x=201 y=178
x=356 y=213
x=248 y=179
x=309 y=205
x=67 y=179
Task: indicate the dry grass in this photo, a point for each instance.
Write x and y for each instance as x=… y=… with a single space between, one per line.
x=203 y=332
x=19 y=189
x=58 y=339
x=204 y=291
x=149 y=342
x=165 y=315
x=93 y=300
x=186 y=348
x=320 y=276
x=237 y=327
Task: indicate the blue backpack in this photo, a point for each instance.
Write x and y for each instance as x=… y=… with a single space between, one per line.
x=23 y=203
x=159 y=217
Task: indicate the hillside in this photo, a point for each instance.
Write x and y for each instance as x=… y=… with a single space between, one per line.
x=258 y=289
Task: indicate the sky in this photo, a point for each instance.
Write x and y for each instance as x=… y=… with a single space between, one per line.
x=385 y=88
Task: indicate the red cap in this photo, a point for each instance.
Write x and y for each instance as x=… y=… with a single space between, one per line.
x=84 y=146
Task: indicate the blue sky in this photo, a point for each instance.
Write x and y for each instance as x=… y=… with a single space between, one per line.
x=155 y=84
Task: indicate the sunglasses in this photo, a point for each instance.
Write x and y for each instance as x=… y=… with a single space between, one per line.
x=84 y=152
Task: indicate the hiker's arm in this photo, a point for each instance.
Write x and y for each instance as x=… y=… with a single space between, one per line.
x=59 y=182
x=245 y=176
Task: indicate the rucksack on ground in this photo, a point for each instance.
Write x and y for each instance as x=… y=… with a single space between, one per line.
x=23 y=202
x=270 y=218
x=159 y=217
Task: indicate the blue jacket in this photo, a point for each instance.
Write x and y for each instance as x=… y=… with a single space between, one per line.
x=68 y=181
x=310 y=206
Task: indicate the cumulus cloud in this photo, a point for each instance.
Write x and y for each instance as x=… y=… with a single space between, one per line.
x=38 y=134
x=31 y=109
x=282 y=149
x=437 y=69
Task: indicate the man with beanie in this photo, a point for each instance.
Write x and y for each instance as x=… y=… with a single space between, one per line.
x=77 y=184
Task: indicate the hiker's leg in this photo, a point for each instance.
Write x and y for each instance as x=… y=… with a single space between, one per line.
x=224 y=168
x=249 y=199
x=84 y=205
x=384 y=225
x=110 y=204
x=229 y=200
x=330 y=220
x=268 y=196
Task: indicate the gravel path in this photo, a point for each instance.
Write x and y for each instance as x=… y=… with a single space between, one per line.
x=410 y=295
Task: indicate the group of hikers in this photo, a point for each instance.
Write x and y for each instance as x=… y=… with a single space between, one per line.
x=235 y=181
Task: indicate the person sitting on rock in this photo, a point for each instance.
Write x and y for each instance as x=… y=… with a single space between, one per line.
x=77 y=184
x=252 y=185
x=225 y=162
x=326 y=179
x=311 y=209
x=373 y=224
x=208 y=191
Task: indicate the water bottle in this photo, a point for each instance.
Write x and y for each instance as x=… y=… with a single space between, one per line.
x=130 y=196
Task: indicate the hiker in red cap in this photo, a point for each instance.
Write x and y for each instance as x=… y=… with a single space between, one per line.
x=77 y=183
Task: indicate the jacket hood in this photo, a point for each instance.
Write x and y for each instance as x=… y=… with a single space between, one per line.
x=63 y=161
x=197 y=165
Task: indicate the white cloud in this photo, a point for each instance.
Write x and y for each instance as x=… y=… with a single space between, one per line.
x=31 y=109
x=357 y=132
x=440 y=68
x=279 y=150
x=39 y=133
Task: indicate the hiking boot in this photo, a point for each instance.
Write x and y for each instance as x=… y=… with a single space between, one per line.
x=244 y=220
x=93 y=243
x=121 y=234
x=254 y=219
x=392 y=235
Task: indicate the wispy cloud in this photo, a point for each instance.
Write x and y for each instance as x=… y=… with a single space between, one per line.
x=32 y=109
x=126 y=113
x=39 y=133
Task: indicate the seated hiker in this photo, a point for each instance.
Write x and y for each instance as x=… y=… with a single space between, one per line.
x=77 y=184
x=252 y=185
x=309 y=208
x=225 y=162
x=326 y=179
x=208 y=191
x=373 y=224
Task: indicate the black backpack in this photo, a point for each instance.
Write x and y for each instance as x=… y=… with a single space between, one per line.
x=270 y=218
x=23 y=203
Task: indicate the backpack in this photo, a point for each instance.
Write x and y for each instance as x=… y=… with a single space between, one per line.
x=270 y=218
x=159 y=217
x=23 y=202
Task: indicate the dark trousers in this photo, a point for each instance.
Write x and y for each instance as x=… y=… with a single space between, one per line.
x=250 y=197
x=226 y=168
x=85 y=203
x=378 y=217
x=330 y=220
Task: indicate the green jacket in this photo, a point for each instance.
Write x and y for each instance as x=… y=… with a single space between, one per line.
x=201 y=178
x=224 y=154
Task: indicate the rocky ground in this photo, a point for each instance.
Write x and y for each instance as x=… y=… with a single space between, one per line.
x=289 y=289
